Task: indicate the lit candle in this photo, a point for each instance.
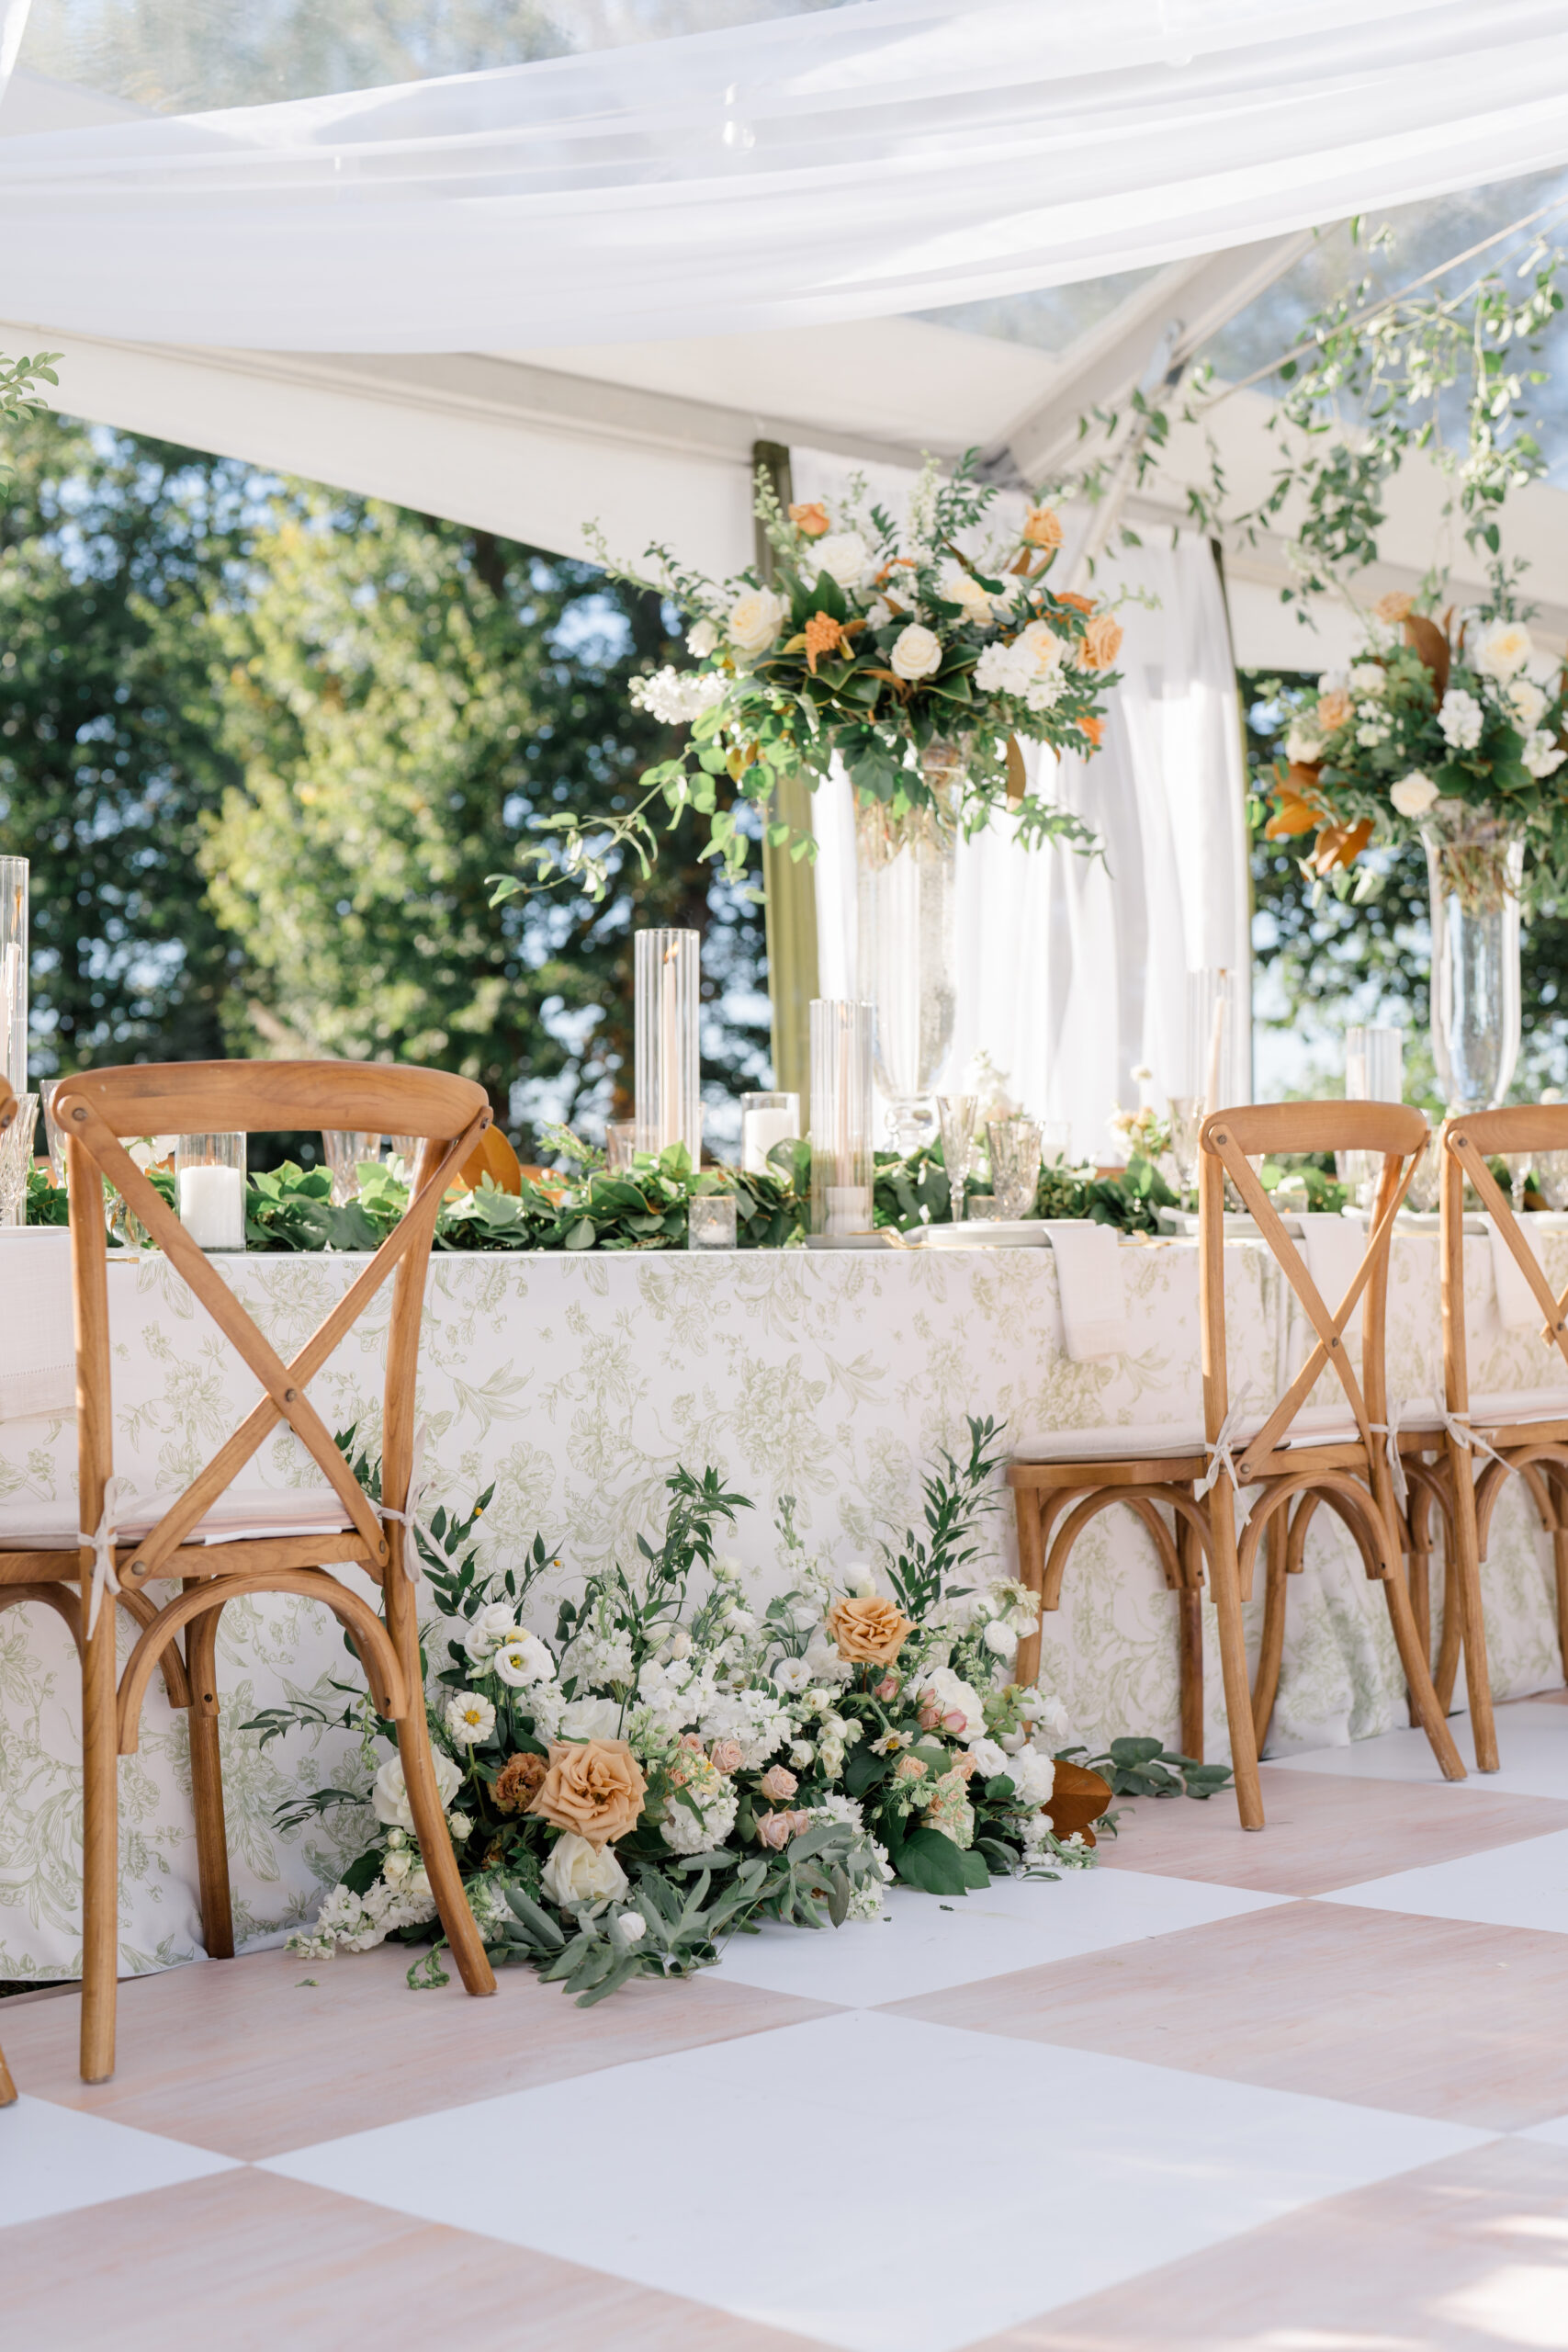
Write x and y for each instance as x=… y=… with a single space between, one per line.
x=760 y=1130
x=212 y=1206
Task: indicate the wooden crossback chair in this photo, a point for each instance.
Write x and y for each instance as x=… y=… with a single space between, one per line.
x=1300 y=1456
x=449 y=1115
x=1524 y=1434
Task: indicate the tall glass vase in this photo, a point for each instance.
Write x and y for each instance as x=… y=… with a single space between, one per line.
x=905 y=869
x=1474 y=865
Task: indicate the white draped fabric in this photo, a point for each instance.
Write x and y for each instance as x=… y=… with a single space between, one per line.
x=1071 y=971
x=834 y=165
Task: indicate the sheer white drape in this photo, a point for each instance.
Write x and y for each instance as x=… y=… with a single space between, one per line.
x=889 y=157
x=1071 y=971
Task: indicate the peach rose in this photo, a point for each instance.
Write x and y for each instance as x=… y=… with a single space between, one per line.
x=963 y=1766
x=1042 y=528
x=777 y=1783
x=1333 y=710
x=595 y=1787
x=726 y=1754
x=868 y=1630
x=776 y=1829
x=1395 y=607
x=1101 y=641
x=909 y=1767
x=812 y=520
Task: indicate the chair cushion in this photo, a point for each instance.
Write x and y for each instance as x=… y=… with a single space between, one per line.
x=28 y=1526
x=1159 y=1440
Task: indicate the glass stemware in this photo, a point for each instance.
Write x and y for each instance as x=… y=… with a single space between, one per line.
x=1015 y=1164
x=1186 y=1118
x=344 y=1149
x=956 y=1116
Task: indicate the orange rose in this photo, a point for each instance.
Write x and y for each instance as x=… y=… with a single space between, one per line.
x=1042 y=528
x=1101 y=641
x=868 y=1630
x=1395 y=607
x=1079 y=604
x=812 y=520
x=1333 y=710
x=595 y=1787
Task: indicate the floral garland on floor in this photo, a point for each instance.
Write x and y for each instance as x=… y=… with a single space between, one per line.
x=670 y=1767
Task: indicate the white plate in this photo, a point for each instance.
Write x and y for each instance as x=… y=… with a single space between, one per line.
x=847 y=1241
x=985 y=1233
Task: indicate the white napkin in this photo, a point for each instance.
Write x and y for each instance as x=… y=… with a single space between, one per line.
x=1518 y=1305
x=1092 y=1289
x=1333 y=1249
x=38 y=1346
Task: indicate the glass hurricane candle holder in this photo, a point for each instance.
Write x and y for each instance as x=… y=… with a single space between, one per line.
x=842 y=1165
x=766 y=1119
x=710 y=1221
x=14 y=974
x=346 y=1150
x=209 y=1190
x=620 y=1147
x=1015 y=1164
x=16 y=1161
x=667 y=981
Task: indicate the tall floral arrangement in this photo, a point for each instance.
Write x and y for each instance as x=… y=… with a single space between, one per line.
x=918 y=652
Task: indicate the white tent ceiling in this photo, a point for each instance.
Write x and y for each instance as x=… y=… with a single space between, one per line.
x=824 y=169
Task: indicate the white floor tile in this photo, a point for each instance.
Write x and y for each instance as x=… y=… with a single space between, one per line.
x=701 y=2174
x=1522 y=1886
x=1532 y=1747
x=55 y=2159
x=925 y=1946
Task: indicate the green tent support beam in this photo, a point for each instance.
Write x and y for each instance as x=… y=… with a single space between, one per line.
x=790 y=884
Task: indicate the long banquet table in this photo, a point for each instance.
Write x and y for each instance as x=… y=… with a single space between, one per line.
x=575 y=1384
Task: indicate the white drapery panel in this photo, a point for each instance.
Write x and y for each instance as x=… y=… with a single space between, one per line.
x=890 y=157
x=1072 y=971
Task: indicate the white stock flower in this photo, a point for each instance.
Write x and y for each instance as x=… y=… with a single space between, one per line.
x=469 y=1717
x=1504 y=650
x=590 y=1719
x=843 y=556
x=677 y=697
x=917 y=653
x=578 y=1874
x=1461 y=720
x=522 y=1659
x=1541 y=755
x=1414 y=794
x=755 y=619
x=701 y=638
x=1527 y=701
x=389 y=1795
x=842 y=1807
x=491 y=1626
x=1003 y=670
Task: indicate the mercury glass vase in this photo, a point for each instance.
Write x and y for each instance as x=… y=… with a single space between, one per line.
x=1474 y=865
x=905 y=870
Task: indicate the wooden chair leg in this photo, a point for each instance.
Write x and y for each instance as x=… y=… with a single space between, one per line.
x=100 y=1848
x=1444 y=1674
x=1031 y=1573
x=1418 y=1573
x=1189 y=1638
x=424 y=1800
x=1271 y=1650
x=206 y=1789
x=1465 y=1588
x=7 y=2087
x=1226 y=1580
x=1418 y=1680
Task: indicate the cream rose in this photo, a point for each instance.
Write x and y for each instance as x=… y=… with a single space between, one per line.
x=390 y=1796
x=868 y=1630
x=844 y=557
x=595 y=1790
x=755 y=619
x=701 y=638
x=960 y=587
x=579 y=1872
x=1040 y=645
x=1504 y=650
x=1414 y=794
x=917 y=653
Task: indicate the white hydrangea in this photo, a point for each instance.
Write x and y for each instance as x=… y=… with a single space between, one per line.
x=1004 y=669
x=1541 y=755
x=677 y=697
x=1460 y=720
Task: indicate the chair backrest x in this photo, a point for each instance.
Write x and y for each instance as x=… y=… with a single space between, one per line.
x=1467 y=1144
x=1396 y=1133
x=99 y=1108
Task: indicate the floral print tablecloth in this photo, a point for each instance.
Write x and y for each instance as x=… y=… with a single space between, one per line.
x=574 y=1384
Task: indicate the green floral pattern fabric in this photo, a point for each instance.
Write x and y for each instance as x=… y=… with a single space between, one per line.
x=574 y=1384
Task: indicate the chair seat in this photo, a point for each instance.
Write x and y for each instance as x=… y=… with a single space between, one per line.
x=1314 y=1425
x=26 y=1526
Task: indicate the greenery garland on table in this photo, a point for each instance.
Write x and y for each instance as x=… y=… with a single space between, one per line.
x=671 y=1767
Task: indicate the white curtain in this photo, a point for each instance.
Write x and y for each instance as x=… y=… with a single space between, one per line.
x=868 y=160
x=1071 y=971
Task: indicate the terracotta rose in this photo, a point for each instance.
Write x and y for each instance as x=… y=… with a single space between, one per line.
x=516 y=1781
x=594 y=1787
x=868 y=1630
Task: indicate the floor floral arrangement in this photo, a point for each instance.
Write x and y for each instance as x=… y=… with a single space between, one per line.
x=670 y=1766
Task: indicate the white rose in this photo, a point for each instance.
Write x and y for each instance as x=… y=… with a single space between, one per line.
x=992 y=1760
x=702 y=640
x=999 y=1639
x=1527 y=702
x=578 y=1874
x=844 y=557
x=591 y=1719
x=459 y=1826
x=1414 y=794
x=522 y=1659
x=395 y=1868
x=801 y=1752
x=390 y=1796
x=960 y=587
x=1541 y=756
x=491 y=1625
x=1504 y=650
x=755 y=619
x=917 y=653
x=628 y=1928
x=1304 y=744
x=469 y=1718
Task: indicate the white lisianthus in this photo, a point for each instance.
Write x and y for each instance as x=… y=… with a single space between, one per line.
x=1541 y=755
x=1303 y=743
x=999 y=1639
x=578 y=1874
x=791 y=1675
x=389 y=1795
x=1504 y=650
x=755 y=619
x=992 y=1760
x=1460 y=720
x=960 y=587
x=591 y=1719
x=843 y=556
x=702 y=640
x=1367 y=678
x=1527 y=701
x=917 y=653
x=491 y=1626
x=469 y=1718
x=1414 y=794
x=1033 y=1776
x=522 y=1659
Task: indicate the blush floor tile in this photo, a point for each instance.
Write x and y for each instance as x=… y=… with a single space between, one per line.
x=53 y=2160
x=1524 y=1885
x=1532 y=1748
x=979 y=2139
x=1017 y=1923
